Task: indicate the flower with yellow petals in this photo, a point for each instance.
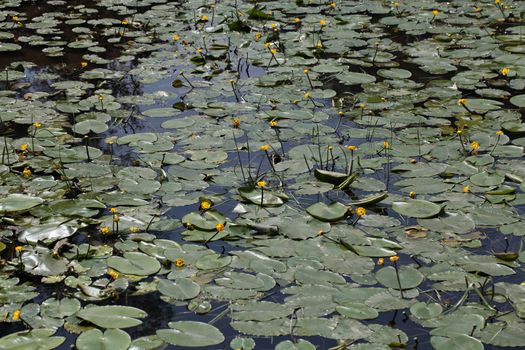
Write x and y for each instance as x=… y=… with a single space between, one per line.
x=37 y=125
x=83 y=64
x=386 y=144
x=362 y=105
x=319 y=45
x=273 y=123
x=116 y=218
x=307 y=95
x=477 y=9
x=219 y=227
x=412 y=194
x=26 y=172
x=15 y=18
x=113 y=273
x=261 y=184
x=322 y=22
x=380 y=261
x=306 y=71
x=113 y=210
x=497 y=2
x=134 y=229
x=274 y=25
x=180 y=262
x=462 y=102
x=258 y=36
x=273 y=51
x=360 y=211
x=236 y=122
x=504 y=71
x=500 y=133
x=204 y=18
x=413 y=161
x=205 y=204
x=265 y=148
x=24 y=147
x=351 y=148
x=394 y=258
x=333 y=4
x=124 y=23
x=19 y=248
x=297 y=20
x=16 y=315
x=266 y=45
x=175 y=37
x=466 y=189
x=474 y=146
x=105 y=230
x=200 y=50
x=435 y=12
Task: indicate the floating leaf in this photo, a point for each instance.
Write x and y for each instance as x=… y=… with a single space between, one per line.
x=191 y=334
x=115 y=316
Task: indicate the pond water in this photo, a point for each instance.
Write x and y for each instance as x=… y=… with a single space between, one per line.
x=259 y=175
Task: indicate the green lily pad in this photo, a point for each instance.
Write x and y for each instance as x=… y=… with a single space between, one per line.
x=134 y=263
x=333 y=212
x=191 y=334
x=115 y=316
x=111 y=339
x=417 y=208
x=409 y=277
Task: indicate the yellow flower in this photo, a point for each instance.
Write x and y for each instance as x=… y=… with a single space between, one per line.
x=205 y=204
x=360 y=211
x=504 y=71
x=322 y=22
x=306 y=70
x=134 y=229
x=105 y=230
x=273 y=123
x=124 y=23
x=199 y=50
x=386 y=144
x=462 y=102
x=114 y=274
x=307 y=95
x=459 y=131
x=204 y=18
x=466 y=189
x=380 y=261
x=477 y=9
x=266 y=45
x=26 y=172
x=265 y=148
x=116 y=218
x=435 y=12
x=395 y=4
x=474 y=145
x=37 y=125
x=273 y=51
x=320 y=232
x=394 y=258
x=258 y=36
x=332 y=5
x=362 y=105
x=175 y=37
x=179 y=262
x=15 y=18
x=351 y=148
x=274 y=25
x=16 y=315
x=319 y=45
x=297 y=20
x=497 y=2
x=219 y=227
x=500 y=133
x=341 y=113
x=19 y=248
x=261 y=184
x=83 y=64
x=236 y=122
x=100 y=97
x=113 y=210
x=413 y=161
x=24 y=147
x=412 y=194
